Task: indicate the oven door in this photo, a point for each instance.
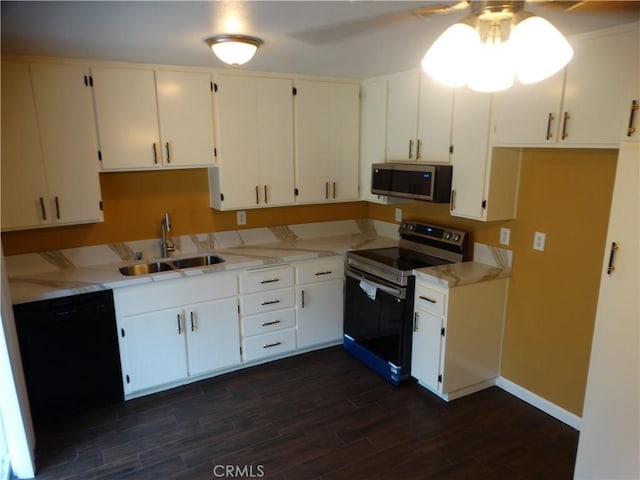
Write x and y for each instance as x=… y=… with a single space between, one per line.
x=377 y=323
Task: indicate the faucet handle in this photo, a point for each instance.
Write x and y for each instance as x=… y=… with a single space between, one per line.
x=167 y=221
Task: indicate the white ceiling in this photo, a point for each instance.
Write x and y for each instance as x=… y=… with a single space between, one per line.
x=172 y=32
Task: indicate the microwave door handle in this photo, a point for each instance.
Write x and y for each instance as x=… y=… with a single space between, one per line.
x=396 y=292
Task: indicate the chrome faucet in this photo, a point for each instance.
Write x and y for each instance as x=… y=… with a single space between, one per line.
x=166 y=246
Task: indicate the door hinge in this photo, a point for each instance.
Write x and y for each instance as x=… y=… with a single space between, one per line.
x=294 y=91
x=88 y=81
x=215 y=87
x=442 y=332
x=99 y=156
x=212 y=86
x=296 y=192
x=128 y=379
x=439 y=378
x=484 y=204
x=100 y=205
x=450 y=148
x=122 y=332
x=215 y=152
x=222 y=197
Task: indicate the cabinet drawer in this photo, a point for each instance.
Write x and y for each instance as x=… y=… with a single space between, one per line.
x=260 y=346
x=263 y=279
x=171 y=293
x=266 y=301
x=431 y=300
x=268 y=322
x=320 y=270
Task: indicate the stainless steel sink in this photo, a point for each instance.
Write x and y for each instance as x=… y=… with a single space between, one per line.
x=145 y=268
x=200 y=261
x=155 y=267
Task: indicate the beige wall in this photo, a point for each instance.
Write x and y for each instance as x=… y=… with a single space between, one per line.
x=552 y=294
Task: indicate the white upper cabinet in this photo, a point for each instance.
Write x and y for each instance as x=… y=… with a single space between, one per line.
x=485 y=181
x=327 y=123
x=150 y=119
x=587 y=104
x=419 y=112
x=49 y=148
x=186 y=118
x=254 y=119
x=402 y=117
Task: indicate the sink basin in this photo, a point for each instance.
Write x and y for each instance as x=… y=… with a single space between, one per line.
x=145 y=268
x=200 y=261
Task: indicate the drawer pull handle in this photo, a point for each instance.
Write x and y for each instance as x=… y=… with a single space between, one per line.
x=611 y=267
x=327 y=272
x=155 y=153
x=271 y=280
x=549 y=120
x=631 y=129
x=169 y=151
x=269 y=345
x=270 y=302
x=272 y=322
x=179 y=325
x=57 y=208
x=427 y=299
x=44 y=212
x=192 y=322
x=567 y=117
x=302 y=298
x=334 y=189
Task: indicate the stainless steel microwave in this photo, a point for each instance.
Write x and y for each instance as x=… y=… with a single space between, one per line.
x=430 y=183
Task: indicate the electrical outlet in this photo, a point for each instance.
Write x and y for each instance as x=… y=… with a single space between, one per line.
x=241 y=216
x=398 y=214
x=505 y=235
x=538 y=241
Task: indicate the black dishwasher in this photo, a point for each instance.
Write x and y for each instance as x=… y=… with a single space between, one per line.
x=70 y=354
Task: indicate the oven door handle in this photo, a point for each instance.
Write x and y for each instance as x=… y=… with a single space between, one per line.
x=396 y=292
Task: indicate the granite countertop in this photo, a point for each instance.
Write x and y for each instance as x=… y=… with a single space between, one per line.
x=458 y=274
x=27 y=285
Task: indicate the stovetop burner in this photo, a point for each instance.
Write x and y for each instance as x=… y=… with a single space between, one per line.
x=402 y=259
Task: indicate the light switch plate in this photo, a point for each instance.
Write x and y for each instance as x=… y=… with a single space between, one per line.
x=505 y=236
x=241 y=216
x=538 y=241
x=398 y=214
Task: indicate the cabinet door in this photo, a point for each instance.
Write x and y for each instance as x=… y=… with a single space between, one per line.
x=373 y=134
x=320 y=313
x=470 y=135
x=528 y=114
x=24 y=185
x=434 y=121
x=67 y=132
x=213 y=335
x=402 y=117
x=127 y=116
x=154 y=345
x=612 y=400
x=596 y=92
x=186 y=118
x=426 y=349
x=327 y=137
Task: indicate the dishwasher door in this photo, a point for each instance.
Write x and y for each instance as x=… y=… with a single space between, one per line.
x=70 y=354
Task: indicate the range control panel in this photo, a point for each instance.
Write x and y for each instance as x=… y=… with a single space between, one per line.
x=413 y=228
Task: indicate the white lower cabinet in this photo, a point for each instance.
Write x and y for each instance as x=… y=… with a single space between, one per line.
x=319 y=293
x=457 y=334
x=177 y=329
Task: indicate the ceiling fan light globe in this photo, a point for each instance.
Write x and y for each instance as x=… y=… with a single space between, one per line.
x=540 y=50
x=447 y=61
x=492 y=68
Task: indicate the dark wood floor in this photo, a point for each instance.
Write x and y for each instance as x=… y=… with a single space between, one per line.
x=321 y=415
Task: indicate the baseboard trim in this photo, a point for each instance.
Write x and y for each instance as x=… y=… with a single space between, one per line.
x=541 y=403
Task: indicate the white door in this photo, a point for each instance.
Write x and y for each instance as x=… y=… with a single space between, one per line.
x=24 y=184
x=434 y=121
x=127 y=116
x=469 y=137
x=425 y=351
x=319 y=313
x=609 y=438
x=402 y=117
x=185 y=110
x=154 y=349
x=213 y=335
x=68 y=135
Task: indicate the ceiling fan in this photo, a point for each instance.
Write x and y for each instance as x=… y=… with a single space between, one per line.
x=340 y=31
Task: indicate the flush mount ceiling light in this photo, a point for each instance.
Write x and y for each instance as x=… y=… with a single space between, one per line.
x=234 y=49
x=496 y=43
